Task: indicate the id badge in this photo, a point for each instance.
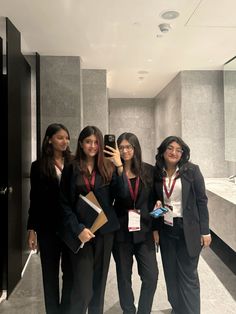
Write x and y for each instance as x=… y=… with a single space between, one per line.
x=134 y=220
x=168 y=218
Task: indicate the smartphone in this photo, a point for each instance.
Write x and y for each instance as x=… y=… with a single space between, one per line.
x=110 y=140
x=158 y=212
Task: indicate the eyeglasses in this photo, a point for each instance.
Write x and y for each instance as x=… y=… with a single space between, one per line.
x=172 y=150
x=127 y=147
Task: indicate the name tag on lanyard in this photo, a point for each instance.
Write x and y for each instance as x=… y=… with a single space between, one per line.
x=169 y=217
x=134 y=220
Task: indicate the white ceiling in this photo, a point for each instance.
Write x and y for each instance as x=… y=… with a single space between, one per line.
x=120 y=36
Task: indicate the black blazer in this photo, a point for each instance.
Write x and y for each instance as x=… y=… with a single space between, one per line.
x=44 y=200
x=72 y=185
x=194 y=202
x=145 y=203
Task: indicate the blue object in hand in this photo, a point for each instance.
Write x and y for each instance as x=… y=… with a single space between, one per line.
x=158 y=212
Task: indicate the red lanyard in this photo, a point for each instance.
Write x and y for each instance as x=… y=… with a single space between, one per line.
x=134 y=193
x=90 y=185
x=168 y=193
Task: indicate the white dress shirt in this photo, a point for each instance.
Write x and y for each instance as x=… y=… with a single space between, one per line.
x=175 y=199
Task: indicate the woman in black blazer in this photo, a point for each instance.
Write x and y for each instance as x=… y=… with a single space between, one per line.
x=184 y=230
x=88 y=172
x=135 y=237
x=44 y=215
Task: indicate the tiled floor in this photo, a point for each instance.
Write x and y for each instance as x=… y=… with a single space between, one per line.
x=218 y=289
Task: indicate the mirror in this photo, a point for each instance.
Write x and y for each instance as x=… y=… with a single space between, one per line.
x=230 y=109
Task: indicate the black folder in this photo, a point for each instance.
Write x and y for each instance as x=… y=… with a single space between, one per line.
x=86 y=210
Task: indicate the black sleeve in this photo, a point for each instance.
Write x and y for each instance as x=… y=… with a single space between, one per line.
x=34 y=194
x=67 y=202
x=119 y=185
x=201 y=198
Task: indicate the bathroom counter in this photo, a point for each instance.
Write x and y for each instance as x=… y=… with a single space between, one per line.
x=222 y=209
x=222 y=187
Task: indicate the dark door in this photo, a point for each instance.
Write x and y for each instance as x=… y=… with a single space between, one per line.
x=26 y=150
x=12 y=160
x=3 y=175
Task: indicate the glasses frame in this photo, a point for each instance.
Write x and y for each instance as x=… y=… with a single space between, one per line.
x=129 y=148
x=176 y=150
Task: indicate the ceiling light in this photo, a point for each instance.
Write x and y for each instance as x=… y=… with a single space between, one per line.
x=164 y=27
x=169 y=15
x=143 y=72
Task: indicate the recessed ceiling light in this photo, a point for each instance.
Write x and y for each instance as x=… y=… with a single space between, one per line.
x=169 y=15
x=143 y=72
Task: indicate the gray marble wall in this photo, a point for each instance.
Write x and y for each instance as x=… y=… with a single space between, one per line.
x=136 y=116
x=191 y=106
x=95 y=101
x=61 y=97
x=168 y=120
x=203 y=120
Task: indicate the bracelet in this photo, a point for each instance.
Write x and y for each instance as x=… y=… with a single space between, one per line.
x=119 y=166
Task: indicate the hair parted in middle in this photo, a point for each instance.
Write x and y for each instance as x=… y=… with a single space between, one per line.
x=137 y=158
x=137 y=162
x=47 y=151
x=160 y=162
x=104 y=166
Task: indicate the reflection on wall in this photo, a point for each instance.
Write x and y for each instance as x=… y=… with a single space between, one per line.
x=230 y=109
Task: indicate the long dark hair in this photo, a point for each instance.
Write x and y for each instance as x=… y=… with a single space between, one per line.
x=47 y=151
x=104 y=167
x=136 y=162
x=160 y=162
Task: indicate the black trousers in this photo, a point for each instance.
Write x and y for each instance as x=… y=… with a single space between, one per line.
x=90 y=268
x=180 y=270
x=145 y=255
x=53 y=252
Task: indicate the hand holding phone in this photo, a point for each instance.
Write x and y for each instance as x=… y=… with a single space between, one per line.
x=158 y=212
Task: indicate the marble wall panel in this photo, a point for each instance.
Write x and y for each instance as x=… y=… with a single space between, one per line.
x=95 y=101
x=61 y=93
x=203 y=120
x=168 y=111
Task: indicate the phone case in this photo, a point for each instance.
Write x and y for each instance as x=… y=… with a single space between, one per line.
x=110 y=140
x=158 y=212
